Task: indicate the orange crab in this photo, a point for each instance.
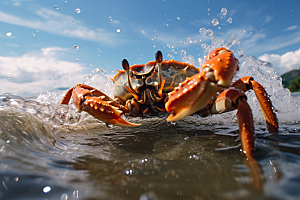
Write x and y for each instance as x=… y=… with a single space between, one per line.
x=180 y=89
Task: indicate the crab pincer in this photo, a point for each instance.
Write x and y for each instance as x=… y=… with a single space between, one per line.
x=97 y=104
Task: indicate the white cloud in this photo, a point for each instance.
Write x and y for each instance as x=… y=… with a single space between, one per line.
x=294 y=27
x=60 y=24
x=33 y=73
x=268 y=19
x=285 y=62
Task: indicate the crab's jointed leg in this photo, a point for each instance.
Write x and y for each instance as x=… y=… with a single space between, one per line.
x=97 y=104
x=232 y=99
x=247 y=83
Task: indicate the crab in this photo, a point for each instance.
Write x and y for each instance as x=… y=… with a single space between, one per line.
x=180 y=89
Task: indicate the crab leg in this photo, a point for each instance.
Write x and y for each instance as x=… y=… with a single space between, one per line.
x=247 y=83
x=232 y=99
x=97 y=104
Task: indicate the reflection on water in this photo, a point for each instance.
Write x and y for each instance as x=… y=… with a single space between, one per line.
x=158 y=160
x=50 y=151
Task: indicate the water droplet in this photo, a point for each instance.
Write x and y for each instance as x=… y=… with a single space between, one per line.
x=202 y=31
x=203 y=46
x=242 y=31
x=174 y=123
x=236 y=41
x=76 y=47
x=77 y=60
x=55 y=6
x=196 y=157
x=33 y=34
x=178 y=18
x=8 y=34
x=110 y=18
x=77 y=10
x=215 y=22
x=223 y=11
x=229 y=20
x=64 y=196
x=109 y=125
x=209 y=33
x=208 y=9
x=118 y=30
x=128 y=172
x=46 y=189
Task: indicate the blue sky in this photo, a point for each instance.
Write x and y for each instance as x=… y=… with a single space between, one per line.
x=37 y=37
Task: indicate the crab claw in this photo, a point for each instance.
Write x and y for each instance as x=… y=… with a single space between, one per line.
x=195 y=92
x=97 y=104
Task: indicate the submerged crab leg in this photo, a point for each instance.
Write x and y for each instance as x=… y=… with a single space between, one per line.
x=246 y=127
x=247 y=83
x=97 y=104
x=232 y=99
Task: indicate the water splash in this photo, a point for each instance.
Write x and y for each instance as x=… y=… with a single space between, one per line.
x=77 y=10
x=76 y=47
x=202 y=31
x=215 y=22
x=223 y=11
x=229 y=20
x=209 y=32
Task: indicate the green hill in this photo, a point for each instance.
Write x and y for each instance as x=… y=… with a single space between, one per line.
x=289 y=76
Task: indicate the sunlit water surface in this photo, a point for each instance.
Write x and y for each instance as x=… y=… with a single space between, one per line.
x=50 y=151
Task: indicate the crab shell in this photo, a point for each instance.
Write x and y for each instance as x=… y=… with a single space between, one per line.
x=174 y=72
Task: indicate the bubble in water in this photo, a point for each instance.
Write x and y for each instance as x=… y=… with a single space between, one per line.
x=76 y=47
x=128 y=172
x=208 y=9
x=209 y=33
x=243 y=31
x=77 y=60
x=219 y=28
x=66 y=1
x=64 y=196
x=203 y=46
x=56 y=7
x=110 y=18
x=77 y=10
x=202 y=31
x=229 y=20
x=8 y=77
x=223 y=11
x=72 y=20
x=149 y=195
x=8 y=34
x=33 y=34
x=215 y=22
x=118 y=30
x=178 y=18
x=46 y=189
